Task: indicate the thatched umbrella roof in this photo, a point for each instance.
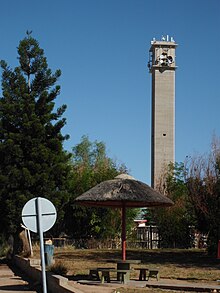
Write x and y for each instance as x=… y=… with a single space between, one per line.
x=122 y=192
x=124 y=189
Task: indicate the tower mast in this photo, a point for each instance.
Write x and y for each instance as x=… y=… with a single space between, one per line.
x=162 y=66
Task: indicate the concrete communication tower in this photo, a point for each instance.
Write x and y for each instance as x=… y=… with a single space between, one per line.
x=162 y=66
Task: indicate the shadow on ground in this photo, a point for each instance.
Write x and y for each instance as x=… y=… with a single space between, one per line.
x=16 y=288
x=183 y=258
x=28 y=286
x=78 y=277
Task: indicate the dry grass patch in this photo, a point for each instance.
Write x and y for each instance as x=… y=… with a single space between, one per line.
x=192 y=265
x=182 y=264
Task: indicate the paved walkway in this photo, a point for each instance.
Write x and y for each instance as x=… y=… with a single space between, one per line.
x=12 y=281
x=167 y=284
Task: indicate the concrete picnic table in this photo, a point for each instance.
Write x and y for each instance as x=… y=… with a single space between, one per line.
x=125 y=265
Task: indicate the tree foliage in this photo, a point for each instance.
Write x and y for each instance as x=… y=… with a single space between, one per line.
x=90 y=166
x=32 y=160
x=174 y=222
x=203 y=184
x=195 y=189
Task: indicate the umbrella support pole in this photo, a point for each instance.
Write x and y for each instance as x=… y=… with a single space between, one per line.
x=123 y=233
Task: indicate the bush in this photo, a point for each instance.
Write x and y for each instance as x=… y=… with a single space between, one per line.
x=4 y=247
x=58 y=268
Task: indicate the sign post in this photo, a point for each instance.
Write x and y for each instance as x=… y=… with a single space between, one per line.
x=39 y=215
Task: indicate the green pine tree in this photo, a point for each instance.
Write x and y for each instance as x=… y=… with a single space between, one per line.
x=32 y=159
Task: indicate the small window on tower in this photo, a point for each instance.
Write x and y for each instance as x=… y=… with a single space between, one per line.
x=164 y=134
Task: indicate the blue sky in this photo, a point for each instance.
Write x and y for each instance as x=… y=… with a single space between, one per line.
x=101 y=47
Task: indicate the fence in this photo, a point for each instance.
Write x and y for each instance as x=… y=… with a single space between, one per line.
x=145 y=237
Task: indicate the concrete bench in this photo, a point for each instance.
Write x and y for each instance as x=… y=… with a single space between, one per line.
x=151 y=273
x=122 y=275
x=94 y=273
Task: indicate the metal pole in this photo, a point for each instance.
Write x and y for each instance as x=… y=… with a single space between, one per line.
x=151 y=244
x=40 y=231
x=29 y=238
x=123 y=234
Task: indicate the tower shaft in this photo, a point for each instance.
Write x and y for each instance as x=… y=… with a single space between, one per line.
x=162 y=67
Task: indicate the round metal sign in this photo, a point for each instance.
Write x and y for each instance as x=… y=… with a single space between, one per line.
x=31 y=216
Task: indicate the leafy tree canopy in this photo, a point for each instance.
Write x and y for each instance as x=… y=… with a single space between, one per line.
x=90 y=166
x=174 y=222
x=195 y=189
x=203 y=184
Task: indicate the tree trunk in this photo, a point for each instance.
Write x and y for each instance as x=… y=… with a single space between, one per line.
x=26 y=250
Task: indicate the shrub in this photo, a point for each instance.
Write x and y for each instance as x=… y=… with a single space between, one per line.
x=4 y=247
x=58 y=268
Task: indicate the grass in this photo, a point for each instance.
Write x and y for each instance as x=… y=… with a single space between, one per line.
x=191 y=265
x=183 y=264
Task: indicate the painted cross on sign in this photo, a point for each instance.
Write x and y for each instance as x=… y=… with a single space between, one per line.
x=30 y=213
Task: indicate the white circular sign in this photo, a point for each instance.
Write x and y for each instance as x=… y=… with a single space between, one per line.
x=47 y=216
